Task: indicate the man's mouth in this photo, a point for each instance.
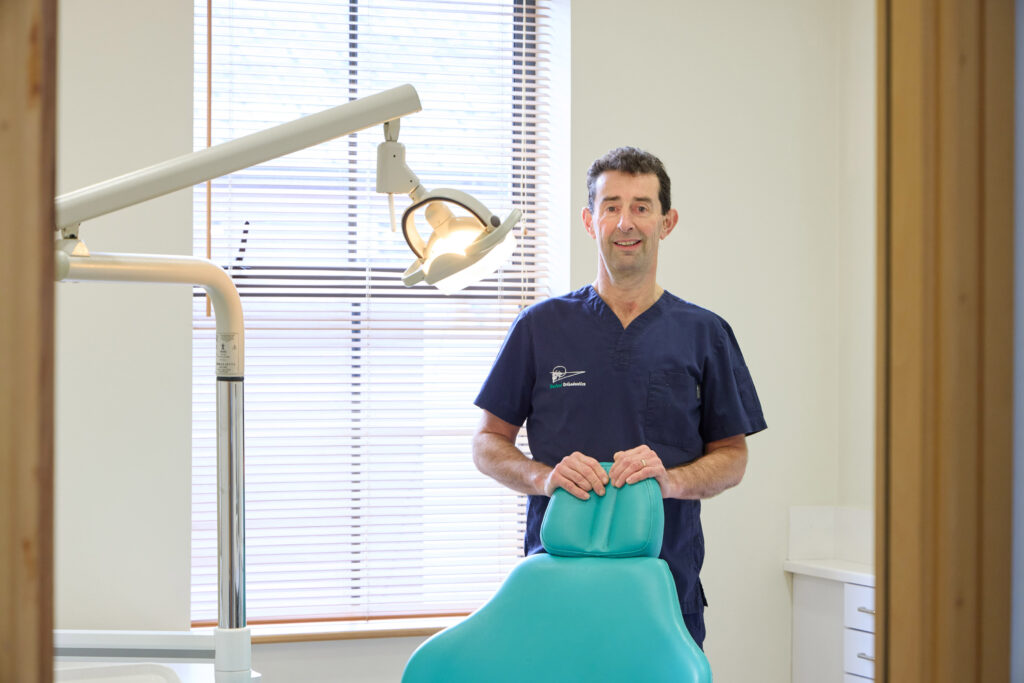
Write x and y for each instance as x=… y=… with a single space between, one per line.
x=627 y=243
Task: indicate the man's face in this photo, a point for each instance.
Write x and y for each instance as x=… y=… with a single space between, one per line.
x=627 y=222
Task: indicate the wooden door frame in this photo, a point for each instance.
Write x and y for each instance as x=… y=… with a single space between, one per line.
x=945 y=329
x=27 y=150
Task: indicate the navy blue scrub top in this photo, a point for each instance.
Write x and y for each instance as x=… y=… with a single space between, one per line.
x=674 y=379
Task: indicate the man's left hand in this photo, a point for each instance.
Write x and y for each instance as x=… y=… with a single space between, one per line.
x=638 y=464
x=721 y=467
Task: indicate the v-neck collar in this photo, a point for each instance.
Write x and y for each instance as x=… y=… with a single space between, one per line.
x=605 y=312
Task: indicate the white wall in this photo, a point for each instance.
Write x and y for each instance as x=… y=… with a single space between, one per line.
x=856 y=256
x=748 y=106
x=123 y=352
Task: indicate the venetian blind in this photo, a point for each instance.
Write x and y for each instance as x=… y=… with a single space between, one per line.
x=362 y=499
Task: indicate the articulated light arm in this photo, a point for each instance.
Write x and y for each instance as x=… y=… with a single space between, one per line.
x=467 y=246
x=191 y=169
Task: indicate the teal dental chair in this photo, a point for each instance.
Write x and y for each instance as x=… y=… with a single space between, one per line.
x=599 y=607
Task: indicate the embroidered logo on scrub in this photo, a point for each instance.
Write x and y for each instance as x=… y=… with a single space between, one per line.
x=559 y=374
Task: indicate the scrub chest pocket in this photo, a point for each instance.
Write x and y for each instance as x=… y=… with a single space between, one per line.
x=673 y=411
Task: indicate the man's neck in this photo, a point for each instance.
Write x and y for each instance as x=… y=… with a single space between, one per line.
x=628 y=301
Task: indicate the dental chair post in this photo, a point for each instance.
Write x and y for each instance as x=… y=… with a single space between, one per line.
x=232 y=641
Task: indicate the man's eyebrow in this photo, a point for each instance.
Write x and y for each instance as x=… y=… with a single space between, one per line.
x=617 y=198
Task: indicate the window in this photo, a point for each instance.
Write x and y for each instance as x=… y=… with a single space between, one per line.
x=362 y=499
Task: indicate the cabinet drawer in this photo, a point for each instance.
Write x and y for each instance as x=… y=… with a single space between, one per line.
x=859 y=607
x=859 y=653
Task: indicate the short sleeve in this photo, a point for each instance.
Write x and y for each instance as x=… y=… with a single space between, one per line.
x=508 y=389
x=729 y=402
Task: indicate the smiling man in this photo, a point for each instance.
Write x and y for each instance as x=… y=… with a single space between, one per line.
x=622 y=371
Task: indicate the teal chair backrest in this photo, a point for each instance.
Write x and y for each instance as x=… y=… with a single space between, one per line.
x=624 y=522
x=599 y=607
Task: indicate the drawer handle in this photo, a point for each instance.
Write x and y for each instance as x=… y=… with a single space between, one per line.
x=866 y=610
x=865 y=656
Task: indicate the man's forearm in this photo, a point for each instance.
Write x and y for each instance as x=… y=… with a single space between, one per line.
x=709 y=475
x=497 y=457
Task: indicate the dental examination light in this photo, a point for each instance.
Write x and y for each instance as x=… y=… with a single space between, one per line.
x=462 y=248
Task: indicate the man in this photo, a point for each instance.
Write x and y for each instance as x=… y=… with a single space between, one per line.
x=622 y=371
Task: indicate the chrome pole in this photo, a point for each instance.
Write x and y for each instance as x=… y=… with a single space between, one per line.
x=230 y=503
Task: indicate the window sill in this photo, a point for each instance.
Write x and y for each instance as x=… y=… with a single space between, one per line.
x=345 y=630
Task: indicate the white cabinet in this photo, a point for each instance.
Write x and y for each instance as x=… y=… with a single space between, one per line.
x=833 y=622
x=859 y=607
x=859 y=653
x=859 y=636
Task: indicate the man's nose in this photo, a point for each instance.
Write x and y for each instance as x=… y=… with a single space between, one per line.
x=625 y=220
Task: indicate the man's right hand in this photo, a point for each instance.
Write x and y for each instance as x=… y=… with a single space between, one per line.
x=578 y=474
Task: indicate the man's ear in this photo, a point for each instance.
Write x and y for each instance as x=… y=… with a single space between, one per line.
x=669 y=221
x=588 y=221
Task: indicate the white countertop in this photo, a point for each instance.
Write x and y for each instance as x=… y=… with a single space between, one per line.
x=835 y=570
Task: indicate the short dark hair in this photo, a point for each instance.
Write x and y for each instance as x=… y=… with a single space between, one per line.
x=632 y=161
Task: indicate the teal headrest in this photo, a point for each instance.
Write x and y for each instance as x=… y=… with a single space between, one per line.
x=624 y=522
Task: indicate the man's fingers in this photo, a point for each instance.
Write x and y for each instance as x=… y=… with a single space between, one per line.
x=570 y=485
x=624 y=455
x=628 y=473
x=621 y=462
x=641 y=470
x=586 y=472
x=633 y=465
x=578 y=474
x=584 y=478
x=595 y=475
